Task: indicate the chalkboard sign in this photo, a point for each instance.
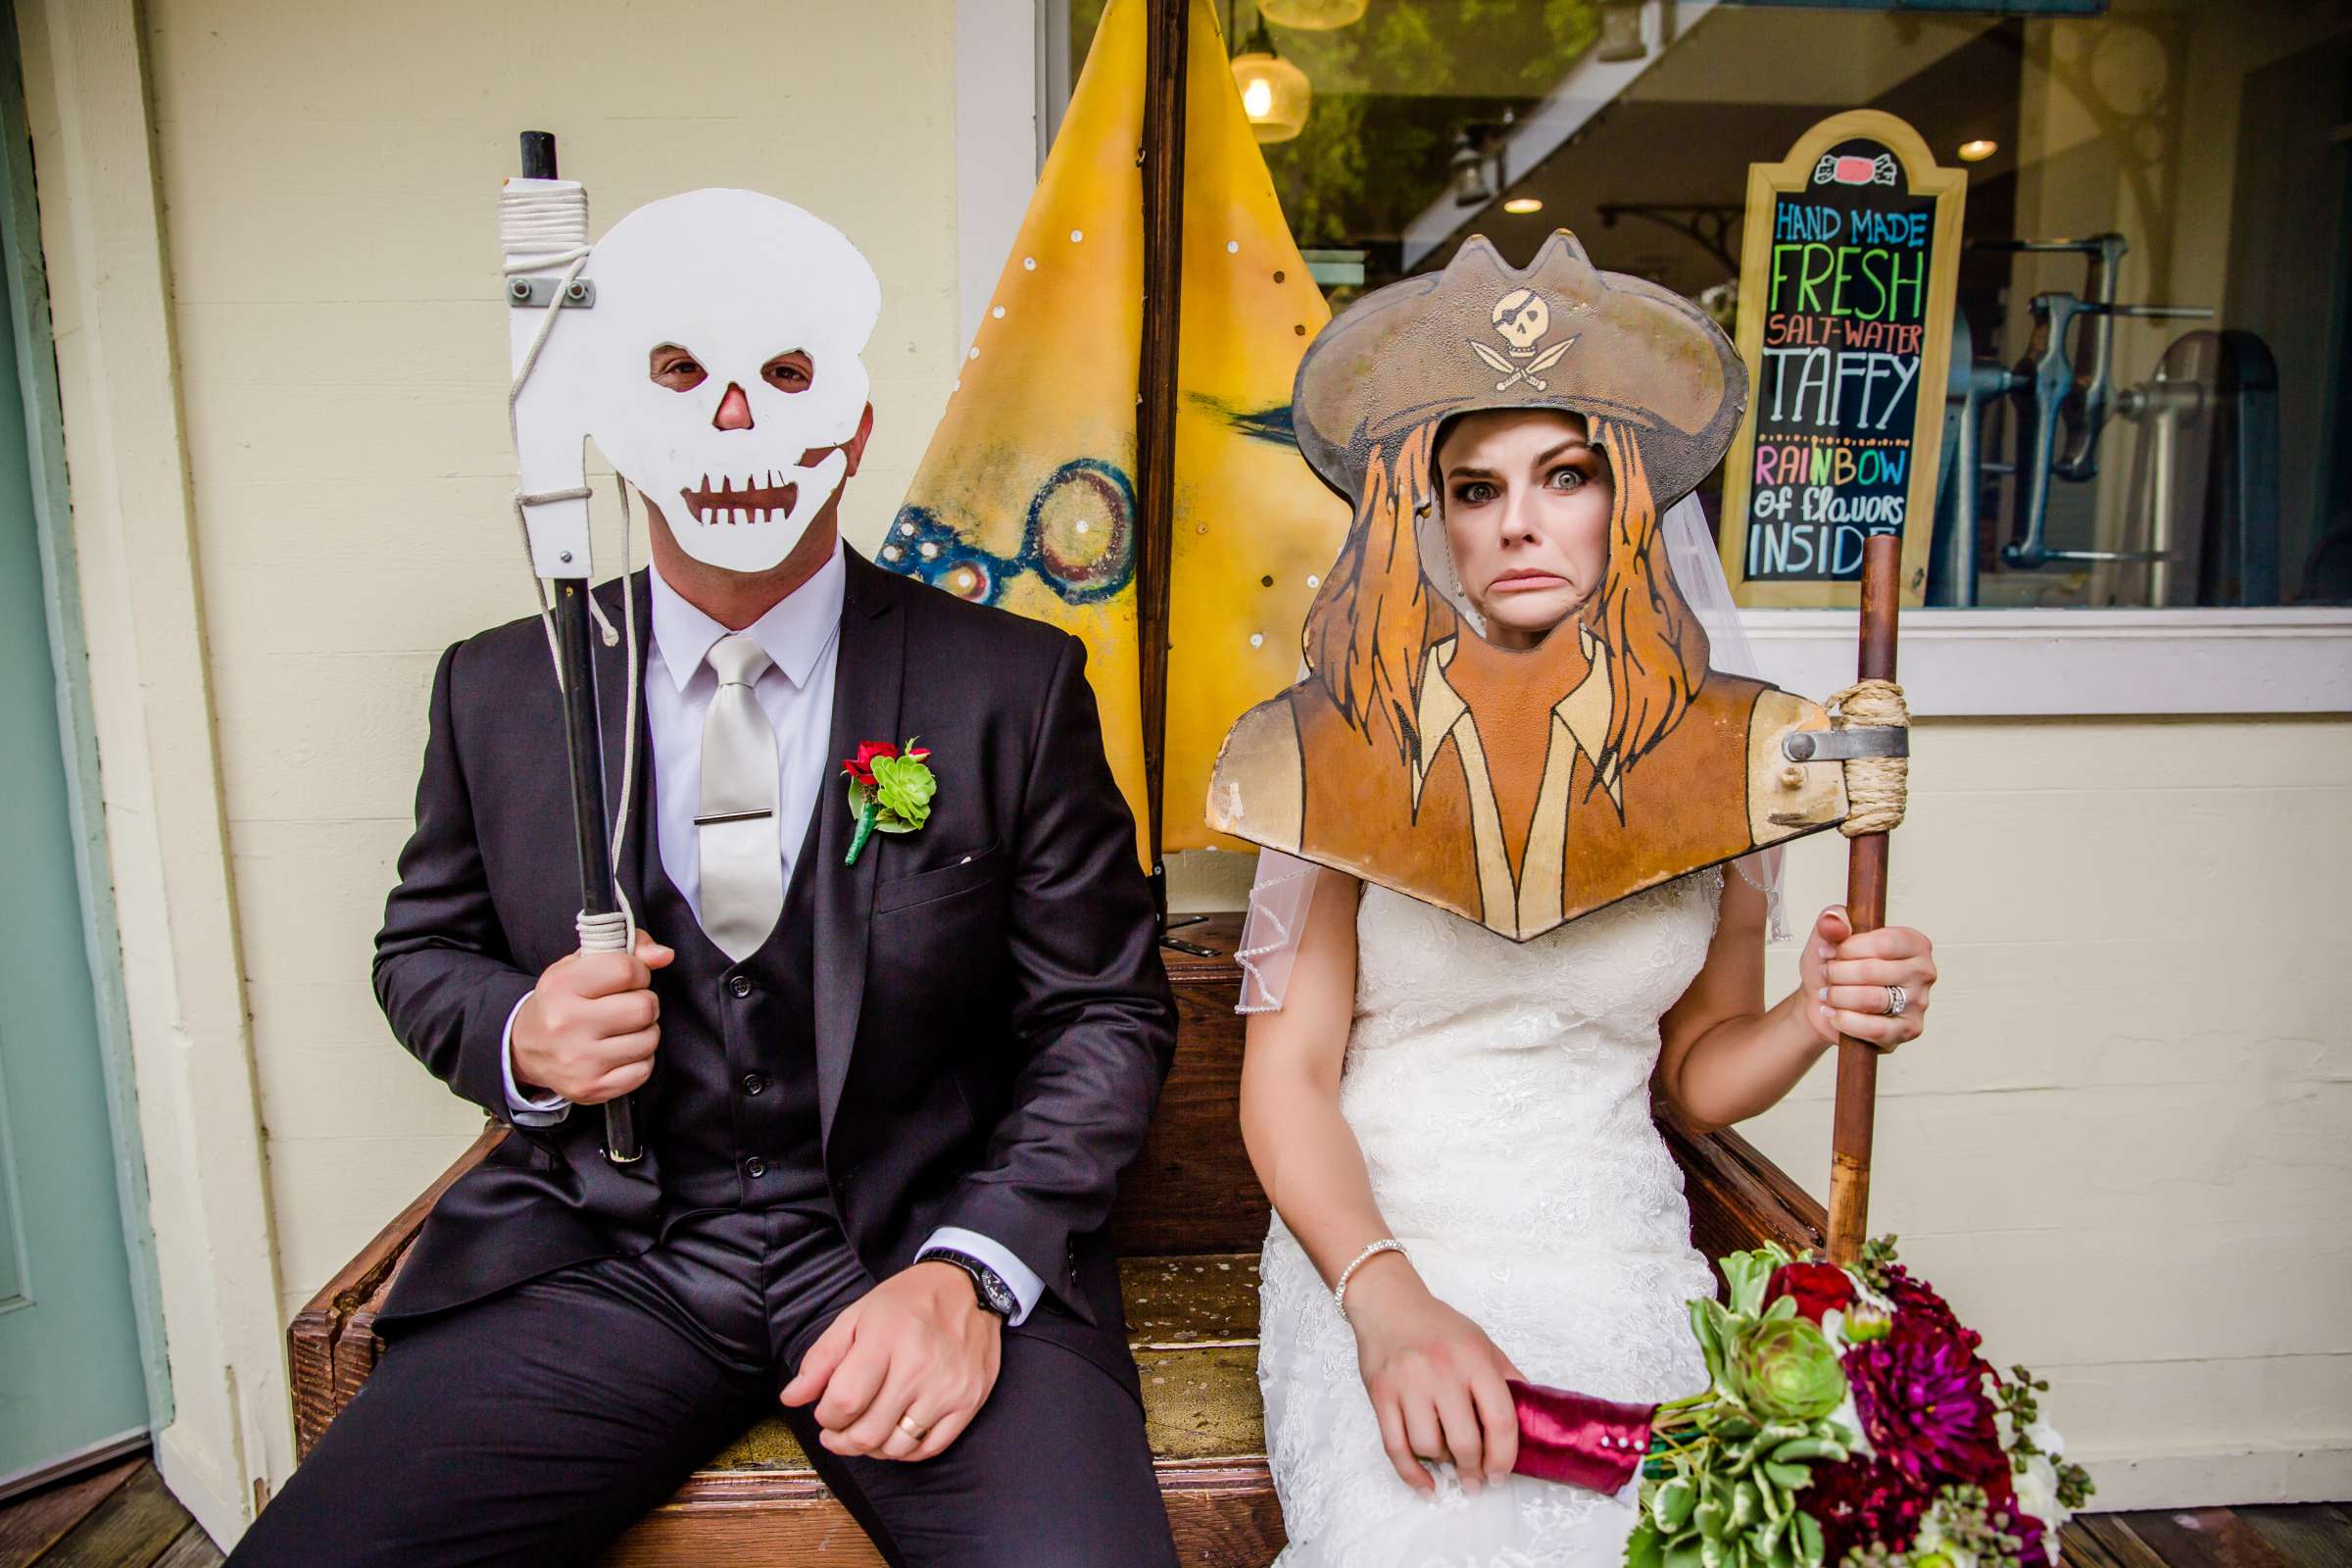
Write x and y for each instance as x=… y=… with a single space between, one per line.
x=1845 y=316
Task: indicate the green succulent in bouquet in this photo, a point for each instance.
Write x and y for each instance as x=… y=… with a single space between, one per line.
x=1719 y=1489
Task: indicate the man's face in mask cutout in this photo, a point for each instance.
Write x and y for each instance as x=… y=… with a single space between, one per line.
x=718 y=370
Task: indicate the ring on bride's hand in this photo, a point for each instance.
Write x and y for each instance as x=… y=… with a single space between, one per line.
x=1898 y=1001
x=907 y=1426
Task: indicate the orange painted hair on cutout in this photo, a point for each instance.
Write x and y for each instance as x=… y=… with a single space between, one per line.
x=1657 y=647
x=1375 y=617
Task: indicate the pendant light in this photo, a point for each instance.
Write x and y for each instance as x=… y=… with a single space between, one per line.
x=1471 y=170
x=1275 y=94
x=1620 y=31
x=1311 y=16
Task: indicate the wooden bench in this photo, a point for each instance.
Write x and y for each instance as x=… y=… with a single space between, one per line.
x=1188 y=1225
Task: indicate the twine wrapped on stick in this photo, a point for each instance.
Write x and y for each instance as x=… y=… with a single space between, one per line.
x=1875 y=786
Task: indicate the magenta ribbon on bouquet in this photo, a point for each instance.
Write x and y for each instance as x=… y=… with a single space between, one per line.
x=1574 y=1437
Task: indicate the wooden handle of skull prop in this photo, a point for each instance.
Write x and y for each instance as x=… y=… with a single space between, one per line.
x=542 y=232
x=1857 y=1110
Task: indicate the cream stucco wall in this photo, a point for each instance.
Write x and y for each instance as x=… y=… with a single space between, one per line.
x=267 y=596
x=2125 y=1150
x=329 y=174
x=2122 y=1150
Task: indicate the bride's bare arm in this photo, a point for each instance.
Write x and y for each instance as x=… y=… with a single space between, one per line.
x=1435 y=1381
x=1726 y=1057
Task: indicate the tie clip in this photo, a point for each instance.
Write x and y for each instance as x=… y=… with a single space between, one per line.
x=730 y=816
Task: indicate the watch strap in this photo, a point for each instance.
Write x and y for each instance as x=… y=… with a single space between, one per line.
x=995 y=1296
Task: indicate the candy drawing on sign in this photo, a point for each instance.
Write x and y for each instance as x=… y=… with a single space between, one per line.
x=1846 y=287
x=1856 y=170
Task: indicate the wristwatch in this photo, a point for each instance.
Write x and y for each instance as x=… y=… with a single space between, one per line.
x=994 y=1295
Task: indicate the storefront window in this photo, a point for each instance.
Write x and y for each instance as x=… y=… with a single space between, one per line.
x=2148 y=153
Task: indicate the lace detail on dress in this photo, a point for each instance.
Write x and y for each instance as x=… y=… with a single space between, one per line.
x=1500 y=1092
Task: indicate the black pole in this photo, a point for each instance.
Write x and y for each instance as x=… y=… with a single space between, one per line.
x=1166 y=34
x=574 y=632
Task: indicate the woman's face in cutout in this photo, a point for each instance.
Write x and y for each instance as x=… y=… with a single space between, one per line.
x=1526 y=504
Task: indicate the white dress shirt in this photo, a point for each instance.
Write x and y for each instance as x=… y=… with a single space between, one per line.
x=801 y=634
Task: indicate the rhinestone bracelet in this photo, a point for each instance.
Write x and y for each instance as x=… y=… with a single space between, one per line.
x=1338 y=1292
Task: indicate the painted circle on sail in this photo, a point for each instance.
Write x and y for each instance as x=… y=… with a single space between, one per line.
x=1082 y=529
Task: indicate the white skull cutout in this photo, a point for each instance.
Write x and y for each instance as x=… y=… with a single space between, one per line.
x=738 y=460
x=1522 y=318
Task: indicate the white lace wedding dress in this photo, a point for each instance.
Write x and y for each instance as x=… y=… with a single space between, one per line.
x=1500 y=1092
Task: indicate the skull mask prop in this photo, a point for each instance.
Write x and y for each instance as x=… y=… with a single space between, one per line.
x=740 y=458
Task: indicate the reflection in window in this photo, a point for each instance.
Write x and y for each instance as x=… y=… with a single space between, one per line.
x=2191 y=155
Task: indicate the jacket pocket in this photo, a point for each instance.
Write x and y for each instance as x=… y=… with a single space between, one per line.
x=975 y=870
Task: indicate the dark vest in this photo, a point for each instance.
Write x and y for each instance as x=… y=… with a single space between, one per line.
x=735 y=1107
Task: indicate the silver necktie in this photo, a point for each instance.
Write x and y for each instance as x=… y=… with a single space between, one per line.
x=741 y=858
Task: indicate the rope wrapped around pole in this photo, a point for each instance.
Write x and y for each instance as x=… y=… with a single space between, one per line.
x=1875 y=787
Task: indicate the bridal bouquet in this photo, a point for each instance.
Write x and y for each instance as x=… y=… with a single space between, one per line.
x=1849 y=1421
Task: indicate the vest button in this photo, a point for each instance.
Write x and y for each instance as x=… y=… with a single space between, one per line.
x=754 y=1083
x=741 y=985
x=754 y=1167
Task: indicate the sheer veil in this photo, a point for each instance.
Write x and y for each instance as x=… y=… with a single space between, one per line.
x=1284 y=889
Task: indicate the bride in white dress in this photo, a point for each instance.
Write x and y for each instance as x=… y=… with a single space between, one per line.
x=1484 y=1105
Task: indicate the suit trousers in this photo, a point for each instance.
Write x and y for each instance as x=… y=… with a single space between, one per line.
x=537 y=1425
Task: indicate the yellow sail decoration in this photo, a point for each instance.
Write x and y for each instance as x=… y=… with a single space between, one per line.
x=1026 y=497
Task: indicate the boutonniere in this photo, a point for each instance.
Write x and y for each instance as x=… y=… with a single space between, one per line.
x=890 y=790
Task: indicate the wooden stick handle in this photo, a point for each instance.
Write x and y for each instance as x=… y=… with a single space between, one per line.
x=1866 y=906
x=1167 y=36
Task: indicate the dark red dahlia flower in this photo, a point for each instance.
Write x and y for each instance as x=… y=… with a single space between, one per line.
x=2000 y=1497
x=1914 y=1296
x=1919 y=1394
x=1818 y=1288
x=1864 y=1501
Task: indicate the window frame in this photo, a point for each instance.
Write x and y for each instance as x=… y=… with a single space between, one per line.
x=1011 y=81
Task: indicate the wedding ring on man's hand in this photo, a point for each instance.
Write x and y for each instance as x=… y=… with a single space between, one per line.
x=1897 y=999
x=907 y=1426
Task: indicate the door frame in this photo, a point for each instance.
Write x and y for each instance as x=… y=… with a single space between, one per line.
x=34 y=362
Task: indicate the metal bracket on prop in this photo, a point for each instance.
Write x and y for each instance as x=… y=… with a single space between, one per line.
x=1845 y=745
x=526 y=293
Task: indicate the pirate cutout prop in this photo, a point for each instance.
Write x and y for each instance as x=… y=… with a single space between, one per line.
x=710 y=345
x=1519 y=788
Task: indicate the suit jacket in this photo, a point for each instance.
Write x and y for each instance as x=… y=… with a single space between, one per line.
x=992 y=1019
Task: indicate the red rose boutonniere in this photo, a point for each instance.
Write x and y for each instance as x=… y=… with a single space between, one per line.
x=890 y=790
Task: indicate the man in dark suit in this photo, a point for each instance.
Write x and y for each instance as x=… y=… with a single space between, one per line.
x=885 y=1102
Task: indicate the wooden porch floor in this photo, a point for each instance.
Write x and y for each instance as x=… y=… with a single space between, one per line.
x=117 y=1517
x=122 y=1517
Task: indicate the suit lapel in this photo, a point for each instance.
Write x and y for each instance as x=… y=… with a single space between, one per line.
x=613 y=689
x=869 y=678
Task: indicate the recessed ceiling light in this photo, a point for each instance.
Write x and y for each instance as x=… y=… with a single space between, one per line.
x=1976 y=152
x=1523 y=205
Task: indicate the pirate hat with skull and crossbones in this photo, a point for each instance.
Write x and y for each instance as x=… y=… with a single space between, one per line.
x=1559 y=334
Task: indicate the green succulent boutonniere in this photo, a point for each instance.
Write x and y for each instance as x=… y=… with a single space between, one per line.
x=890 y=790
